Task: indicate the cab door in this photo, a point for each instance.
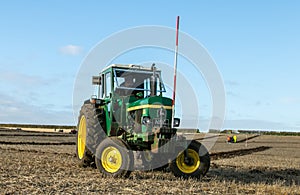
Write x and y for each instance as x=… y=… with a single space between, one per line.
x=107 y=95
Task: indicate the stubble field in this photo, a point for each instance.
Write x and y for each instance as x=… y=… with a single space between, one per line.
x=45 y=163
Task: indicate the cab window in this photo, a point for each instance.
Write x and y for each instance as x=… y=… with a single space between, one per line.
x=107 y=84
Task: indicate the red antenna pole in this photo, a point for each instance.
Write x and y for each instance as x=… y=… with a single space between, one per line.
x=175 y=71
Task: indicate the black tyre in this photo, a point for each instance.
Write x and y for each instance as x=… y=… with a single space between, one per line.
x=90 y=132
x=114 y=158
x=195 y=165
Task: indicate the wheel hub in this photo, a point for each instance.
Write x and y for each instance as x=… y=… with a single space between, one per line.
x=188 y=161
x=111 y=159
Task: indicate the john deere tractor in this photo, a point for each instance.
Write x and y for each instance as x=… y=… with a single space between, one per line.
x=129 y=113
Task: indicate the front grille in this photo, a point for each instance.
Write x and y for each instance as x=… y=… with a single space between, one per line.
x=166 y=130
x=157 y=122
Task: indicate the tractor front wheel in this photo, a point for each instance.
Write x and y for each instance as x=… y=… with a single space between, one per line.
x=193 y=162
x=114 y=157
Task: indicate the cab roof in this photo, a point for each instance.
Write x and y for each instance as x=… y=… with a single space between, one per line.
x=130 y=67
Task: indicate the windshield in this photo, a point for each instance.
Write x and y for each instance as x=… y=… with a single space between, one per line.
x=137 y=80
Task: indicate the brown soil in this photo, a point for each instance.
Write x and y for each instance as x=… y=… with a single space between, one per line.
x=45 y=163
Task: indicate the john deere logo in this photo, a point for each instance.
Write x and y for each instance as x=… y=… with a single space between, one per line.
x=161 y=112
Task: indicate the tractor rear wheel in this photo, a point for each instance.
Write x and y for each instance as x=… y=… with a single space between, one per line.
x=90 y=133
x=114 y=157
x=194 y=162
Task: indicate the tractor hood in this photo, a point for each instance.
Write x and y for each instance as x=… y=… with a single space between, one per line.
x=151 y=102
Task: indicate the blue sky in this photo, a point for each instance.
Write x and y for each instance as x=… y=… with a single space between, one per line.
x=255 y=45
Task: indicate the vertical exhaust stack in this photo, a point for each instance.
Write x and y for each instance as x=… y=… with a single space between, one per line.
x=175 y=72
x=153 y=84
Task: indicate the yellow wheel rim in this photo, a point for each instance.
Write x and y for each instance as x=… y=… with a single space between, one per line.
x=111 y=159
x=81 y=137
x=185 y=168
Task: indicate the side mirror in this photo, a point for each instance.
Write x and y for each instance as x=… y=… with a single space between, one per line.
x=96 y=80
x=176 y=122
x=94 y=100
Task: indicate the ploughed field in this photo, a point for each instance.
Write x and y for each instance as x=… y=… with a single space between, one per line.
x=36 y=162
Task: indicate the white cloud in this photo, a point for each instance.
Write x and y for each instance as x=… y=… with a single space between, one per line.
x=258 y=103
x=231 y=83
x=72 y=50
x=13 y=110
x=18 y=78
x=232 y=94
x=290 y=100
x=258 y=125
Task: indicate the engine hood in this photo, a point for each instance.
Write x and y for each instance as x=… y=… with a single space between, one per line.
x=150 y=102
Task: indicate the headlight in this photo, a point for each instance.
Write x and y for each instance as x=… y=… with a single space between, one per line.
x=146 y=120
x=176 y=122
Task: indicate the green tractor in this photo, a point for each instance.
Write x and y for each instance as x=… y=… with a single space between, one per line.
x=128 y=115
